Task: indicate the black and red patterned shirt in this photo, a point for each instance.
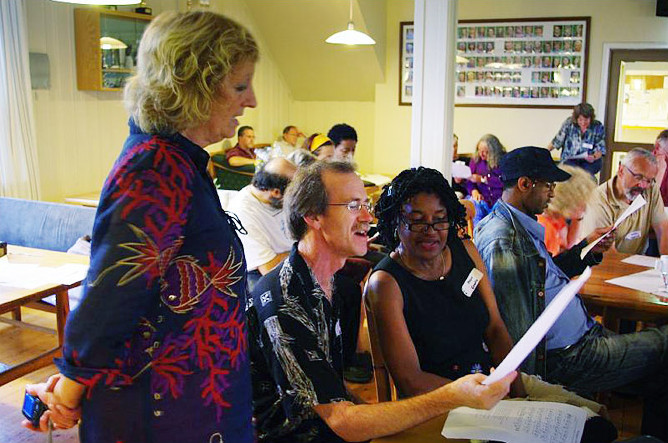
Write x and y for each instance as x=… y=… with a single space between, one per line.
x=295 y=342
x=160 y=336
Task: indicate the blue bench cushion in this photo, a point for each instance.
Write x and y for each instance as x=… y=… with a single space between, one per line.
x=37 y=224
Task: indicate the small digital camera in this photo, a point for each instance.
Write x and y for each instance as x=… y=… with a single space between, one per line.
x=33 y=408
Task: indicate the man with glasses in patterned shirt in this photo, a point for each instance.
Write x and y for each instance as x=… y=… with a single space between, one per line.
x=295 y=334
x=636 y=176
x=577 y=352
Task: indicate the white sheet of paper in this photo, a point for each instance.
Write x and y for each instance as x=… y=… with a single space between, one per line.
x=460 y=170
x=647 y=281
x=71 y=273
x=577 y=157
x=19 y=275
x=31 y=276
x=637 y=203
x=538 y=330
x=519 y=422
x=641 y=260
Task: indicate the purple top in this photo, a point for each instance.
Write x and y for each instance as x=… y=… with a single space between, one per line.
x=492 y=189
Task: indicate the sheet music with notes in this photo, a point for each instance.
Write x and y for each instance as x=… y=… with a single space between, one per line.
x=518 y=422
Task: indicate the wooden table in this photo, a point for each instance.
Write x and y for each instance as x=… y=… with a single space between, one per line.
x=91 y=199
x=427 y=432
x=614 y=302
x=12 y=298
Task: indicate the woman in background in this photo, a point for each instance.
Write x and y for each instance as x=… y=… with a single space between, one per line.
x=317 y=146
x=581 y=139
x=485 y=186
x=566 y=209
x=159 y=340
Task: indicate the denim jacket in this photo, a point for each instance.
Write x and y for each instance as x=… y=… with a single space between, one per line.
x=517 y=274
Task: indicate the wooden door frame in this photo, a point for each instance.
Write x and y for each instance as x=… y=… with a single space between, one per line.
x=602 y=109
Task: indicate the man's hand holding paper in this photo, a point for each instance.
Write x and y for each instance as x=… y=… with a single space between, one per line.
x=638 y=203
x=606 y=235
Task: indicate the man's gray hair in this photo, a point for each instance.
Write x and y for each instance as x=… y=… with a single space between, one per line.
x=636 y=153
x=306 y=195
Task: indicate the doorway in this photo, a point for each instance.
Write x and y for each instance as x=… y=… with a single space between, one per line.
x=636 y=108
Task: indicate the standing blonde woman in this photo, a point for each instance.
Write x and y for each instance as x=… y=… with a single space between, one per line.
x=157 y=350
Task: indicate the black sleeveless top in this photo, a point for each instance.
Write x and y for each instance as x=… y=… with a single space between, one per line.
x=445 y=325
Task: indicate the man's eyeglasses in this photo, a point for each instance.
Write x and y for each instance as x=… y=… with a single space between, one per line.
x=423 y=227
x=354 y=206
x=641 y=178
x=549 y=185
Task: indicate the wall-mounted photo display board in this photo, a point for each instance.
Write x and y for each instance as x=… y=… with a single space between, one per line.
x=532 y=62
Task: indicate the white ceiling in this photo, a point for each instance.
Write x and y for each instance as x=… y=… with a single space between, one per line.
x=295 y=33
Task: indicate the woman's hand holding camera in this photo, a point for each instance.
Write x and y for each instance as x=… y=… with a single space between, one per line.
x=60 y=415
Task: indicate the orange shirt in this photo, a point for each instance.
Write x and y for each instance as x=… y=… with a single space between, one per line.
x=556 y=231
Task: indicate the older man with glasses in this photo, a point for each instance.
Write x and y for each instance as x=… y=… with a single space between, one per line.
x=636 y=176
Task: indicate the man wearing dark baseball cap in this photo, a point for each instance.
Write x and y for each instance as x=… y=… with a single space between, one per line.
x=576 y=352
x=533 y=162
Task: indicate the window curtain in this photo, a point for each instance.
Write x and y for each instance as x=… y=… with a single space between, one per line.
x=19 y=176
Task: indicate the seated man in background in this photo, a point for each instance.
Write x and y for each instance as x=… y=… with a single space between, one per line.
x=635 y=176
x=259 y=207
x=459 y=168
x=344 y=138
x=242 y=153
x=661 y=153
x=577 y=352
x=288 y=142
x=294 y=327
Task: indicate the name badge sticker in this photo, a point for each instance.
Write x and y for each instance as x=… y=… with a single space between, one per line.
x=633 y=235
x=471 y=282
x=588 y=146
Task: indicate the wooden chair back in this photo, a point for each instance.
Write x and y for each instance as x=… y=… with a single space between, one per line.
x=470 y=215
x=385 y=388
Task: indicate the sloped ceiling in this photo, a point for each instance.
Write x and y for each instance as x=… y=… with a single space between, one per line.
x=295 y=32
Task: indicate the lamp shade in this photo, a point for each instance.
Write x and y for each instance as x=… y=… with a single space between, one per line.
x=350 y=37
x=111 y=43
x=100 y=2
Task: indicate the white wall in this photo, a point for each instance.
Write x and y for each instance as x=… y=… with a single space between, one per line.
x=393 y=122
x=80 y=133
x=313 y=117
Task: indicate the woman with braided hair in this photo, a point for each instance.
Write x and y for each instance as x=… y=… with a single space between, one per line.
x=436 y=314
x=433 y=302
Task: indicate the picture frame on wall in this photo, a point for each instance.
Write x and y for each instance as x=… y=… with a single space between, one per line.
x=529 y=62
x=406 y=64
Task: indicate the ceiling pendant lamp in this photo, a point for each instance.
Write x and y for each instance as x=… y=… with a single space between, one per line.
x=100 y=2
x=350 y=36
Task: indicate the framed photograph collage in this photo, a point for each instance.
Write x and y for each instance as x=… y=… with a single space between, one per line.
x=537 y=62
x=406 y=64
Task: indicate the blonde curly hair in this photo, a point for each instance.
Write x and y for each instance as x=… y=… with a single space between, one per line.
x=181 y=62
x=573 y=193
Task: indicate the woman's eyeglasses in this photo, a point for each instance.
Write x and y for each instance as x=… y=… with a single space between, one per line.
x=423 y=227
